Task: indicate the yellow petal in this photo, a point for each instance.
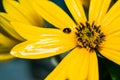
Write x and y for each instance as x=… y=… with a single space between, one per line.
x=112 y=28
x=58 y=74
x=30 y=32
x=98 y=9
x=76 y=9
x=93 y=73
x=22 y=13
x=54 y=14
x=78 y=65
x=30 y=12
x=112 y=15
x=112 y=55
x=113 y=33
x=12 y=9
x=5 y=56
x=73 y=67
x=112 y=42
x=5 y=41
x=25 y=3
x=44 y=47
x=6 y=16
x=5 y=24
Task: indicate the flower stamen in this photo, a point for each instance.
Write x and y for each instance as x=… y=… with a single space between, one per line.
x=89 y=36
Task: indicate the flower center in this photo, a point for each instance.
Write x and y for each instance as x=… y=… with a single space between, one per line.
x=89 y=36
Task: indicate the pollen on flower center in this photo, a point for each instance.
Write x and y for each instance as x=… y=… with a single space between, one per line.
x=89 y=36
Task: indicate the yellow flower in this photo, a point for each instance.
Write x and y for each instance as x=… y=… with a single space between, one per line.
x=84 y=37
x=21 y=11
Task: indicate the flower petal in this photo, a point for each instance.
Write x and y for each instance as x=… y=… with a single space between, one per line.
x=93 y=73
x=73 y=67
x=6 y=41
x=22 y=13
x=5 y=56
x=31 y=12
x=25 y=3
x=112 y=15
x=76 y=9
x=98 y=9
x=5 y=24
x=44 y=47
x=112 y=55
x=30 y=32
x=54 y=14
x=78 y=67
x=12 y=9
x=112 y=42
x=6 y=16
x=112 y=28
